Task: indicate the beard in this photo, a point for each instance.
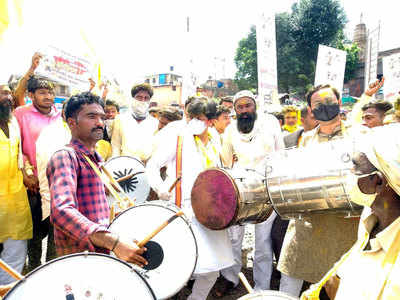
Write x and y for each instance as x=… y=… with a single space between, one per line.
x=245 y=122
x=5 y=110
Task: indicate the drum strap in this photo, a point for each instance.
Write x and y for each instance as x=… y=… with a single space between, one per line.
x=178 y=188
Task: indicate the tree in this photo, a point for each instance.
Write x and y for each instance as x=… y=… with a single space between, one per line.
x=351 y=60
x=298 y=35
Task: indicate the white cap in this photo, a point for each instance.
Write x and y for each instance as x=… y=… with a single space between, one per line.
x=244 y=94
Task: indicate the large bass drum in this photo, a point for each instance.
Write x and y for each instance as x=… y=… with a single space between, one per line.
x=172 y=253
x=268 y=295
x=82 y=276
x=221 y=198
x=310 y=180
x=135 y=185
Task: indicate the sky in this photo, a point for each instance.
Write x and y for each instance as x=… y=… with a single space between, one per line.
x=137 y=38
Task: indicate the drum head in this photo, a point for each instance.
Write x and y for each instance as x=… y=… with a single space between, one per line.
x=177 y=241
x=135 y=187
x=268 y=295
x=215 y=204
x=82 y=276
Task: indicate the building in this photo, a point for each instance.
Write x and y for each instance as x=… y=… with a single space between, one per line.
x=219 y=88
x=167 y=88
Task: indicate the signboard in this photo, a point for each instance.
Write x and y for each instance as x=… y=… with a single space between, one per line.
x=371 y=57
x=331 y=64
x=266 y=60
x=391 y=71
x=65 y=68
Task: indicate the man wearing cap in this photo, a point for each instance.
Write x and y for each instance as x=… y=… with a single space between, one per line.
x=371 y=269
x=133 y=131
x=167 y=115
x=247 y=143
x=15 y=214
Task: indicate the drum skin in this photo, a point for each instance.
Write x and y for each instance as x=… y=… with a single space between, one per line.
x=82 y=276
x=268 y=295
x=221 y=198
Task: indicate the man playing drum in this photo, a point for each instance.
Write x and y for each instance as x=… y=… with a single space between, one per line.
x=195 y=151
x=79 y=208
x=247 y=143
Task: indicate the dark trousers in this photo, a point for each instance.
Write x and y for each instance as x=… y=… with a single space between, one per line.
x=41 y=229
x=278 y=233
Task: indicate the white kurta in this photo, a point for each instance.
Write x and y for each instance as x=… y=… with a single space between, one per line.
x=215 y=250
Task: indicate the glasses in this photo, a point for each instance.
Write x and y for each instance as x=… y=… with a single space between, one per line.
x=142 y=98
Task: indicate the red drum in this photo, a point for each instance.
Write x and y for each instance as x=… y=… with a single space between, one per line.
x=221 y=198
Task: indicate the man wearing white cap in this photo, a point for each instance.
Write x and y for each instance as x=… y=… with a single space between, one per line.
x=247 y=143
x=371 y=268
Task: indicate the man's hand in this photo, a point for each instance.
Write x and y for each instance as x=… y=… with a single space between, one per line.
x=35 y=61
x=164 y=194
x=130 y=252
x=92 y=84
x=31 y=182
x=374 y=87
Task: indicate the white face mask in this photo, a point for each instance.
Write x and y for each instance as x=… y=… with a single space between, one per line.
x=196 y=126
x=140 y=108
x=357 y=196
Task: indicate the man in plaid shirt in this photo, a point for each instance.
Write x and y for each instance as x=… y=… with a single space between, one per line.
x=79 y=208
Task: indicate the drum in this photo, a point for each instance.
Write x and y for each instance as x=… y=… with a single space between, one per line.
x=130 y=173
x=312 y=180
x=172 y=253
x=221 y=198
x=82 y=276
x=268 y=295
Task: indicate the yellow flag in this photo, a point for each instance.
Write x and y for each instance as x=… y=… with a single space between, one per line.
x=4 y=17
x=18 y=10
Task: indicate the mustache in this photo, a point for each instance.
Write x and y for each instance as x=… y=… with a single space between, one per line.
x=96 y=128
x=245 y=122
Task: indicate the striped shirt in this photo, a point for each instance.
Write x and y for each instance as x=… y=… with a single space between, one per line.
x=78 y=202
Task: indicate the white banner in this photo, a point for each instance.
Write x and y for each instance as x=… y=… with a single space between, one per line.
x=371 y=56
x=331 y=64
x=391 y=71
x=266 y=59
x=65 y=68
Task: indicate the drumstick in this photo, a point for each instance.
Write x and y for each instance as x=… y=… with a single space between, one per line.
x=158 y=229
x=245 y=283
x=174 y=184
x=128 y=176
x=10 y=270
x=116 y=184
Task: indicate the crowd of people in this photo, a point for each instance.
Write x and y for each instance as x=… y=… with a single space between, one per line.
x=49 y=185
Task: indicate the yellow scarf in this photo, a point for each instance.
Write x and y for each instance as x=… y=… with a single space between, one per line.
x=290 y=128
x=209 y=154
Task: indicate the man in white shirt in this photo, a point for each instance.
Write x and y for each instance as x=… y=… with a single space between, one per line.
x=133 y=131
x=247 y=143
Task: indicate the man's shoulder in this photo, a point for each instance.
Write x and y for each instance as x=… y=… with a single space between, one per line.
x=21 y=110
x=291 y=140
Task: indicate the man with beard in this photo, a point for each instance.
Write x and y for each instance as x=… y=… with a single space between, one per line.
x=247 y=143
x=32 y=118
x=133 y=131
x=15 y=215
x=79 y=207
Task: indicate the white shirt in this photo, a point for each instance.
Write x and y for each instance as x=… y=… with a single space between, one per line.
x=133 y=138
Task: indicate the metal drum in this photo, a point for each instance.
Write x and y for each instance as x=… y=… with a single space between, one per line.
x=135 y=185
x=172 y=253
x=268 y=295
x=221 y=198
x=313 y=179
x=82 y=276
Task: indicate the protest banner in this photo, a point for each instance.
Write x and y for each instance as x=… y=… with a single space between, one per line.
x=391 y=71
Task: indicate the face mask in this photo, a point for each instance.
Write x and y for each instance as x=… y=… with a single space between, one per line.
x=326 y=112
x=196 y=126
x=357 y=196
x=140 y=108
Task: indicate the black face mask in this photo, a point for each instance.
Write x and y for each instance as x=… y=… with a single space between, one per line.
x=245 y=122
x=326 y=112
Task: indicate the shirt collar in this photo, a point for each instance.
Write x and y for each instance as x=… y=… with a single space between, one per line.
x=52 y=113
x=78 y=146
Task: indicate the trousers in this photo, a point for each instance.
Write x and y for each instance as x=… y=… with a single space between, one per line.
x=290 y=285
x=14 y=254
x=203 y=284
x=263 y=256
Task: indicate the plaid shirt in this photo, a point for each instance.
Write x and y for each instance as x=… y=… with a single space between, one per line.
x=79 y=205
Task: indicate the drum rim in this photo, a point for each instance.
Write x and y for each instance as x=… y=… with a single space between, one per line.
x=113 y=158
x=223 y=170
x=79 y=254
x=184 y=219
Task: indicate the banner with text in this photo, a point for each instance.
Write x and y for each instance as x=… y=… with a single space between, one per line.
x=65 y=68
x=331 y=64
x=391 y=71
x=371 y=56
x=266 y=60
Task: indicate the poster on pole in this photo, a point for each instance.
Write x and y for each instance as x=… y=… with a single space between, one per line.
x=65 y=68
x=391 y=71
x=266 y=60
x=331 y=64
x=371 y=57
